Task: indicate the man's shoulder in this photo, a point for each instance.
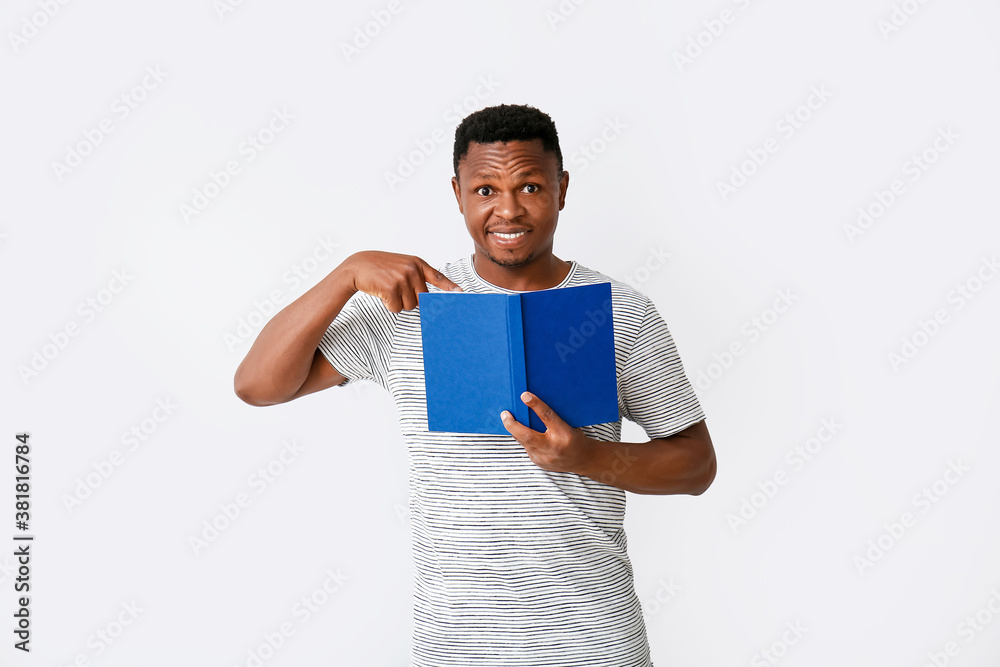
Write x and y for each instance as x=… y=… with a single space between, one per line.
x=625 y=299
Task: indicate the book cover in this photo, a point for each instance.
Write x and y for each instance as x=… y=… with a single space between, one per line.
x=482 y=350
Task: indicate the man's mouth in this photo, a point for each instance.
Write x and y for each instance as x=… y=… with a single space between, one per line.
x=508 y=239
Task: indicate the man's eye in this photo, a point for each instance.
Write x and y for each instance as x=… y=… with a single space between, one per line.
x=534 y=188
x=480 y=189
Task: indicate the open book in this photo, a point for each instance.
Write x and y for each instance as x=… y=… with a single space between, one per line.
x=482 y=350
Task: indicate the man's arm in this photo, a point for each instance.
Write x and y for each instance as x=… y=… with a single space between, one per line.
x=681 y=463
x=285 y=361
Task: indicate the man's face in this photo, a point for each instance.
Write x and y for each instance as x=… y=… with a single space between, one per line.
x=508 y=188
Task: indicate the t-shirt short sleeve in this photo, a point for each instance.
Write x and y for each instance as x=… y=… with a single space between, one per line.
x=357 y=343
x=656 y=393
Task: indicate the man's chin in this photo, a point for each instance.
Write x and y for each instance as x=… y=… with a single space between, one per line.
x=511 y=261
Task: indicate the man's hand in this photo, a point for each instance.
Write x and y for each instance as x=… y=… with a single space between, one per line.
x=394 y=278
x=561 y=448
x=680 y=463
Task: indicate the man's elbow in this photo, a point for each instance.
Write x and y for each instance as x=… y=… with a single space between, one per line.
x=245 y=393
x=249 y=392
x=707 y=473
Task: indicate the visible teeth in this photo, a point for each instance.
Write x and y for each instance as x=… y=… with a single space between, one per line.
x=508 y=236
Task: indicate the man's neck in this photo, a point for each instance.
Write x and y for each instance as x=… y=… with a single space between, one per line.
x=537 y=275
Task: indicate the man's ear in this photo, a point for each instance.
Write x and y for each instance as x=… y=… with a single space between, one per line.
x=458 y=193
x=563 y=186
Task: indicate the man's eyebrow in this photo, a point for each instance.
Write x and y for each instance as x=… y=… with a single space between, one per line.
x=490 y=176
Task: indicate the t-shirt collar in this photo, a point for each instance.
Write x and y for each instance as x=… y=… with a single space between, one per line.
x=482 y=282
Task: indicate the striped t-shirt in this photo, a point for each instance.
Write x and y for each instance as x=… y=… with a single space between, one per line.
x=516 y=565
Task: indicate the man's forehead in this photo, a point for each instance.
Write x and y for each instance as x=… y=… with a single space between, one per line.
x=524 y=157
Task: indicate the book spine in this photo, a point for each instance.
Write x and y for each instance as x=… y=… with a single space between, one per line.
x=515 y=343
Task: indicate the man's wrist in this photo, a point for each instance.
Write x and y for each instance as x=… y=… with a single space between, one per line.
x=343 y=279
x=596 y=459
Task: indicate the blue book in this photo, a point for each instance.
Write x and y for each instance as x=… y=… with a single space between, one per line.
x=482 y=350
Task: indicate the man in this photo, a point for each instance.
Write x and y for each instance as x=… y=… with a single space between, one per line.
x=518 y=542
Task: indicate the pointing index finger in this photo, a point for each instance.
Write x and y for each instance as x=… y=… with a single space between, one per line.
x=435 y=277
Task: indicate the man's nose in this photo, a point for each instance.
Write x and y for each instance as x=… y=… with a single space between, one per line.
x=509 y=206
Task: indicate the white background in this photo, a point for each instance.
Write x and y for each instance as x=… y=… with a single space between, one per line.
x=652 y=187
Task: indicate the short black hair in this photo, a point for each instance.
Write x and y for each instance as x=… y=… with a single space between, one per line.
x=503 y=123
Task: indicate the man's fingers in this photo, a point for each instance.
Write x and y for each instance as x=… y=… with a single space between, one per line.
x=412 y=284
x=409 y=300
x=392 y=302
x=438 y=279
x=514 y=427
x=416 y=282
x=544 y=412
x=409 y=290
